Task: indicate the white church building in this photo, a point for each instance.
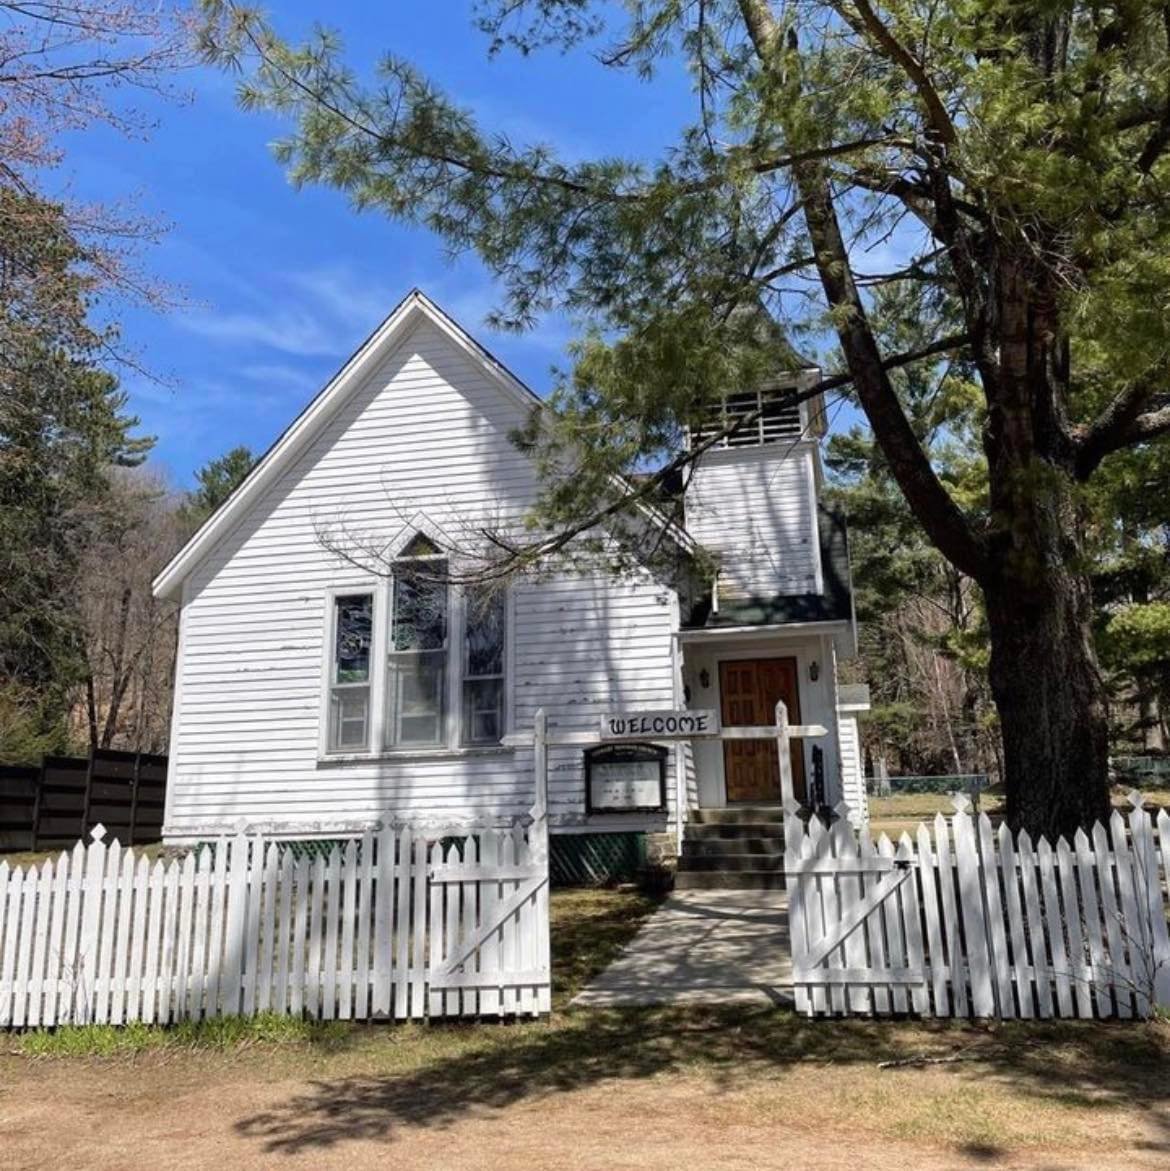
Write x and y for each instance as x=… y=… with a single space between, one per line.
x=317 y=696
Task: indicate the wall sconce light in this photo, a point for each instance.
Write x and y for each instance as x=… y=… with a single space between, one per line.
x=704 y=678
x=814 y=670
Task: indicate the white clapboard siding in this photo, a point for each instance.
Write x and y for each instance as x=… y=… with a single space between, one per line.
x=387 y=926
x=426 y=433
x=852 y=768
x=756 y=507
x=569 y=664
x=969 y=921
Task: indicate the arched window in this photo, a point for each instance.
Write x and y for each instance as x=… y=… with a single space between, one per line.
x=419 y=625
x=445 y=655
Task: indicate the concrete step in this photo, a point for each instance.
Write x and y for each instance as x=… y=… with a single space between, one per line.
x=731 y=862
x=735 y=814
x=735 y=830
x=729 y=880
x=773 y=845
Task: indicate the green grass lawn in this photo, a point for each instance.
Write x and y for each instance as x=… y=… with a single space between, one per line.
x=902 y=812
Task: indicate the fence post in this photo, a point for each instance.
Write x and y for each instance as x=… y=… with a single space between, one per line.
x=86 y=970
x=540 y=764
x=132 y=832
x=783 y=743
x=88 y=790
x=36 y=812
x=539 y=850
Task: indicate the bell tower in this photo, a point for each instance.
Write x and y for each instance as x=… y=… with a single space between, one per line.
x=752 y=498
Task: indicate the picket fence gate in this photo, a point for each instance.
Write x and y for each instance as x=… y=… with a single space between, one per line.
x=389 y=925
x=973 y=921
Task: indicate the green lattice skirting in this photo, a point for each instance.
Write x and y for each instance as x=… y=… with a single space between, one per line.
x=595 y=859
x=574 y=859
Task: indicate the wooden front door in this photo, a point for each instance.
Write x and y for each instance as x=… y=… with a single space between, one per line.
x=749 y=690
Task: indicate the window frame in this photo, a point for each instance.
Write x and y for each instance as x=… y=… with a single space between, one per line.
x=465 y=677
x=372 y=587
x=388 y=651
x=452 y=743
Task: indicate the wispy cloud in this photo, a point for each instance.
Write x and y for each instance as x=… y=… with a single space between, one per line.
x=327 y=310
x=282 y=334
x=280 y=376
x=306 y=313
x=288 y=331
x=349 y=299
x=207 y=416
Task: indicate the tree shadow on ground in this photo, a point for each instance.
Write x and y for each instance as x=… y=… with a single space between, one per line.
x=1093 y=1067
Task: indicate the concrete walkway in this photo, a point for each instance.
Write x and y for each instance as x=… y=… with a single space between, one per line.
x=703 y=947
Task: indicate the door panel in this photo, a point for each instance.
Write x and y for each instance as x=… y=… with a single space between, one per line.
x=749 y=691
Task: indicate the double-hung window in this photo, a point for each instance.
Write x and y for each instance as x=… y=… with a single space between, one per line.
x=416 y=681
x=349 y=694
x=417 y=663
x=484 y=617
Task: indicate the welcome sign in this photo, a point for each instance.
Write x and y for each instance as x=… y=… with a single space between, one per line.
x=659 y=725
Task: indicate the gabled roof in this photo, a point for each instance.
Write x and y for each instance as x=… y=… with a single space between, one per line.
x=305 y=428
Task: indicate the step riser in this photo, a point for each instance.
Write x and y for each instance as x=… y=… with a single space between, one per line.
x=736 y=830
x=739 y=848
x=718 y=847
x=737 y=813
x=729 y=880
x=730 y=862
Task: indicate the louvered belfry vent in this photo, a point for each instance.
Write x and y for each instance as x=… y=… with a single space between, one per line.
x=777 y=419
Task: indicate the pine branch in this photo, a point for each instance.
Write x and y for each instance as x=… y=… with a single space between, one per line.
x=496 y=165
x=936 y=510
x=1123 y=423
x=867 y=22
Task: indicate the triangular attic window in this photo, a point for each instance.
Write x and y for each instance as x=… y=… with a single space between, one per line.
x=420 y=545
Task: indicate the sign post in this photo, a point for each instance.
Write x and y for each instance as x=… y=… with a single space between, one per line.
x=787 y=788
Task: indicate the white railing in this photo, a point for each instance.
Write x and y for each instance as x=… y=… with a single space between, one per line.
x=968 y=920
x=391 y=925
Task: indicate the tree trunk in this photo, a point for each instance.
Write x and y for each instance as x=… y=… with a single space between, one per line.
x=1044 y=675
x=1051 y=702
x=1030 y=559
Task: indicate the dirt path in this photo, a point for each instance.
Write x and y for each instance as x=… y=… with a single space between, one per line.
x=221 y=1111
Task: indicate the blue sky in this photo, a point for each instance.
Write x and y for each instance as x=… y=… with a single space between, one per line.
x=279 y=285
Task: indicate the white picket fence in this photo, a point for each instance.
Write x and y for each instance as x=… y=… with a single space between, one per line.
x=971 y=921
x=390 y=925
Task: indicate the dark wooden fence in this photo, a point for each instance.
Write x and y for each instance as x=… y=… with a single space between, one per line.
x=50 y=807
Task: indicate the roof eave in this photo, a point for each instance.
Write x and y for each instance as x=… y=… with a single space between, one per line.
x=304 y=428
x=714 y=633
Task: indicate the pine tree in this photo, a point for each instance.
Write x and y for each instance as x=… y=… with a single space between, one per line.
x=216 y=481
x=1016 y=152
x=63 y=425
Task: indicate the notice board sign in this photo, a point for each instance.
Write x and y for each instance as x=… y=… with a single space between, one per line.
x=625 y=778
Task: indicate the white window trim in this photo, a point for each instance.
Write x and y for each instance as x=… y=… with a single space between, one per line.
x=374 y=587
x=378 y=748
x=505 y=708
